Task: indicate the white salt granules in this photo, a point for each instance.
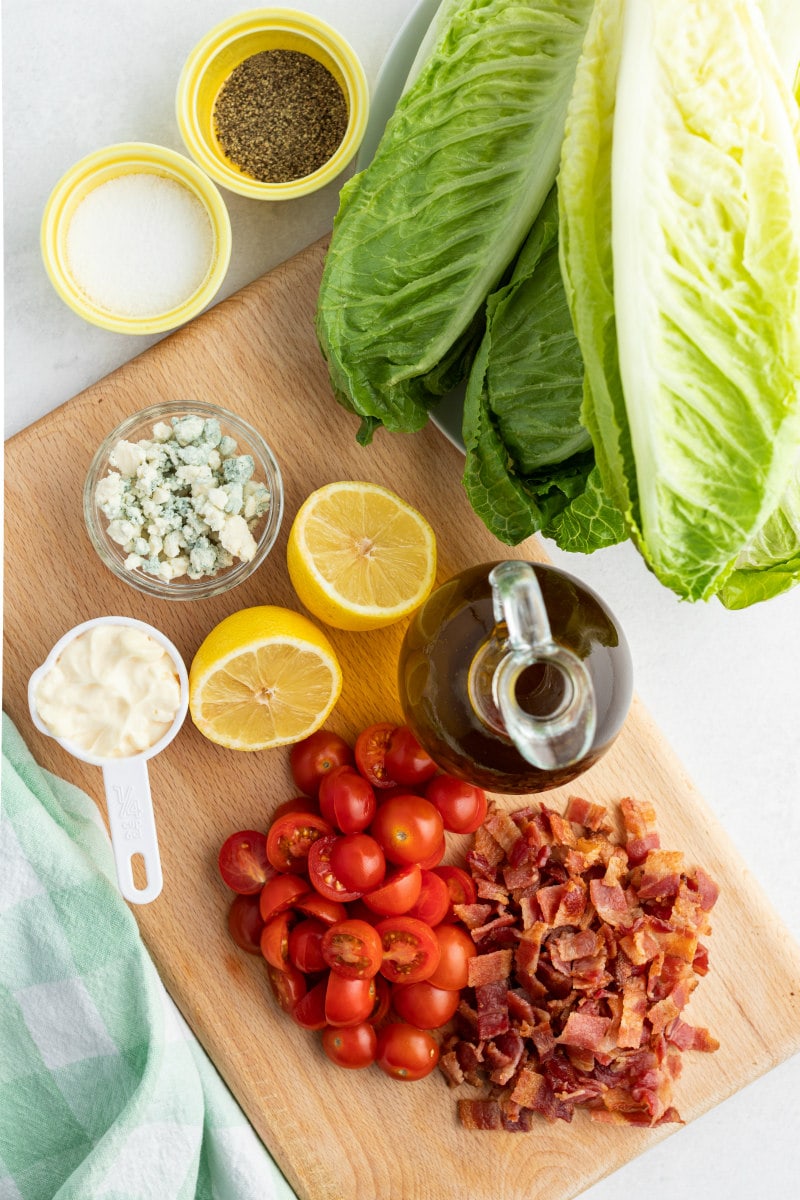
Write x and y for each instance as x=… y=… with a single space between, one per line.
x=139 y=245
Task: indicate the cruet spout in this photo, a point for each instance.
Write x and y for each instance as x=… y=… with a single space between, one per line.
x=542 y=689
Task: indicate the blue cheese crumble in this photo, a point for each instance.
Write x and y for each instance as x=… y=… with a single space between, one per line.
x=182 y=502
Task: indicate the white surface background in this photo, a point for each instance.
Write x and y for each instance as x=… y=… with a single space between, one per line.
x=724 y=687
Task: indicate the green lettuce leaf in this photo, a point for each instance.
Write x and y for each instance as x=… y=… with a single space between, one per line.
x=770 y=562
x=687 y=301
x=529 y=459
x=428 y=230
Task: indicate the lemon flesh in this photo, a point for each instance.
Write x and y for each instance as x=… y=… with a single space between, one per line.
x=359 y=556
x=263 y=677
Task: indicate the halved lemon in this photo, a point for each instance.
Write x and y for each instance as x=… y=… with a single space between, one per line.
x=359 y=557
x=263 y=677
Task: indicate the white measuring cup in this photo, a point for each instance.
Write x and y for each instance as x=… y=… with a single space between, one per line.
x=127 y=784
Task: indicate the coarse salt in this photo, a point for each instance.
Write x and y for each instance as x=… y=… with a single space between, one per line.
x=139 y=245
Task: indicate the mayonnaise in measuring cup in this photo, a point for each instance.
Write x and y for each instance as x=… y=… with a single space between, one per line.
x=112 y=692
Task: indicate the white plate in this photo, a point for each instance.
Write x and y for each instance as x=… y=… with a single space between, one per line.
x=449 y=411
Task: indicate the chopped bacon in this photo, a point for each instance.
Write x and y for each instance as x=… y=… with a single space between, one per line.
x=480 y=1114
x=489 y=968
x=583 y=812
x=584 y=1031
x=588 y=954
x=639 y=818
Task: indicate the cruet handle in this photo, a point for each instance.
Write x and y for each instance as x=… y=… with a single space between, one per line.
x=564 y=736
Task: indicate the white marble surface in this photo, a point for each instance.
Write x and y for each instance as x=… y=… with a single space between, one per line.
x=724 y=687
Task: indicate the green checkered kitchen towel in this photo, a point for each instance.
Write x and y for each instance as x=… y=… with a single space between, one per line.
x=104 y=1091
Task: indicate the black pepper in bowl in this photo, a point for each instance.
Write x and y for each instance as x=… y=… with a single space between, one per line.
x=280 y=115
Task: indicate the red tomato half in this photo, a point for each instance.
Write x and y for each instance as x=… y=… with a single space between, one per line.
x=280 y=893
x=275 y=941
x=434 y=859
x=313 y=758
x=305 y=945
x=352 y=1047
x=245 y=923
x=410 y=949
x=353 y=949
x=433 y=902
x=370 y=751
x=309 y=1011
x=347 y=800
x=288 y=987
x=243 y=862
x=348 y=1001
x=405 y=760
x=405 y=1052
x=460 y=885
x=358 y=862
x=291 y=837
x=462 y=805
x=327 y=911
x=322 y=875
x=424 y=1005
x=456 y=948
x=407 y=828
x=397 y=893
x=383 y=1000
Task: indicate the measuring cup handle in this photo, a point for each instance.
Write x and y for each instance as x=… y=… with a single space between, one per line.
x=133 y=827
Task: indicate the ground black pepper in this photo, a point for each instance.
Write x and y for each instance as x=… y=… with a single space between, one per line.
x=280 y=115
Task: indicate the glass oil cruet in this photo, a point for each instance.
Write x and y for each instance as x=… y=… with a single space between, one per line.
x=515 y=676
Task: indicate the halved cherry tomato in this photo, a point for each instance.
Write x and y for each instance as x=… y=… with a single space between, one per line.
x=305 y=945
x=456 y=948
x=245 y=923
x=434 y=859
x=315 y=756
x=327 y=911
x=358 y=862
x=288 y=987
x=433 y=901
x=348 y=1001
x=352 y=1047
x=405 y=1052
x=243 y=862
x=407 y=828
x=322 y=875
x=397 y=893
x=309 y=1011
x=347 y=800
x=280 y=893
x=370 y=751
x=410 y=949
x=291 y=837
x=462 y=805
x=275 y=940
x=405 y=760
x=460 y=885
x=383 y=1000
x=353 y=949
x=423 y=1004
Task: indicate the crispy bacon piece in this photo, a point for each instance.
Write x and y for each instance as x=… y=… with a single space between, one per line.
x=588 y=953
x=592 y=816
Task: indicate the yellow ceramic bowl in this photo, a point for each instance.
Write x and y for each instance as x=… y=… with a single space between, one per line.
x=131 y=158
x=223 y=49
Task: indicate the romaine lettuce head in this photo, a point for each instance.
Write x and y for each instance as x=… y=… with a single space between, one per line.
x=687 y=302
x=431 y=226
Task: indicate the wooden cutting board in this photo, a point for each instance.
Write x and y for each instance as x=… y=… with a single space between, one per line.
x=342 y=1135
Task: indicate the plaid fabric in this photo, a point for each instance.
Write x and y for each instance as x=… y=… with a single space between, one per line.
x=104 y=1091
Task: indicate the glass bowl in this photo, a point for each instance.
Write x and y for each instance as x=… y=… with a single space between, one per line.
x=140 y=426
x=223 y=49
